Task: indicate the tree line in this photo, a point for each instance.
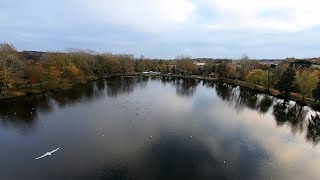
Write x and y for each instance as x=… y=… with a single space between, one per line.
x=22 y=72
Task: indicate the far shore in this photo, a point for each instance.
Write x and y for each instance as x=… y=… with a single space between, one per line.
x=271 y=91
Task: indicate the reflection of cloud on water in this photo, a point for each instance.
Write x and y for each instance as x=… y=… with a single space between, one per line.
x=287 y=150
x=236 y=130
x=170 y=156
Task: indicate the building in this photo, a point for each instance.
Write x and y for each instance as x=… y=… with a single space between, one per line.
x=151 y=72
x=199 y=64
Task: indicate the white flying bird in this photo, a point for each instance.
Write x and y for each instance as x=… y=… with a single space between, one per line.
x=48 y=153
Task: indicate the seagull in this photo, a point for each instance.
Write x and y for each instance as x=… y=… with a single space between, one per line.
x=48 y=153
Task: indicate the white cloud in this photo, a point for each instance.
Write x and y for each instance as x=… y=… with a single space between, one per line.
x=141 y=15
x=170 y=15
x=213 y=28
x=267 y=15
x=233 y=15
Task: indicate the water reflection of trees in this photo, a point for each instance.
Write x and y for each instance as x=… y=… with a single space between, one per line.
x=225 y=92
x=184 y=87
x=265 y=104
x=285 y=113
x=242 y=97
x=313 y=133
x=23 y=112
x=292 y=115
x=124 y=85
x=248 y=98
x=80 y=93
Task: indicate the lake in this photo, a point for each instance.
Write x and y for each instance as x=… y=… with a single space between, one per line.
x=157 y=128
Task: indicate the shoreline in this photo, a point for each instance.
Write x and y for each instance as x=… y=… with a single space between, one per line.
x=271 y=91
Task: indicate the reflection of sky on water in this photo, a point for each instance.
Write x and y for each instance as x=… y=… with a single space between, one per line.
x=284 y=147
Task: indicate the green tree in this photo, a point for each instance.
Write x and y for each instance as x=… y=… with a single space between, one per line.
x=306 y=81
x=278 y=71
x=53 y=76
x=84 y=60
x=142 y=65
x=209 y=67
x=126 y=63
x=185 y=65
x=286 y=82
x=316 y=92
x=231 y=70
x=245 y=65
x=222 y=69
x=259 y=77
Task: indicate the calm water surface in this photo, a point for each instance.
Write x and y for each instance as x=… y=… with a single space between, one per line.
x=157 y=128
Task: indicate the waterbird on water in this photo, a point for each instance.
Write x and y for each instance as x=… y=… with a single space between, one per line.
x=48 y=153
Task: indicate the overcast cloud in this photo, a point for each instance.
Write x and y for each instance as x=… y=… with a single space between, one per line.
x=166 y=28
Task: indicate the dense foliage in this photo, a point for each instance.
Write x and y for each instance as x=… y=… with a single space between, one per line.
x=33 y=72
x=286 y=81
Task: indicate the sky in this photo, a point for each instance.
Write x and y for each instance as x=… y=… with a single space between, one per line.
x=166 y=28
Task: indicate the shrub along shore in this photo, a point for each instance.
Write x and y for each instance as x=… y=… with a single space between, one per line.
x=31 y=72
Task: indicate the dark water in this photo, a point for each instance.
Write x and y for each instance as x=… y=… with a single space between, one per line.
x=141 y=128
